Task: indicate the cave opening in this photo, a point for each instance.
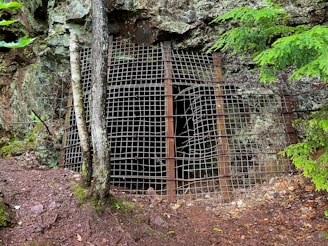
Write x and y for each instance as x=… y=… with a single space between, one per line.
x=181 y=126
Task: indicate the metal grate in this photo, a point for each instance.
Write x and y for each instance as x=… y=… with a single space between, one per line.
x=173 y=125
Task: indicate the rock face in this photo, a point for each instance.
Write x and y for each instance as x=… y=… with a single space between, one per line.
x=43 y=84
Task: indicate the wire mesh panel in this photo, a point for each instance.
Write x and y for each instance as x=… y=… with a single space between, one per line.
x=225 y=136
x=195 y=124
x=256 y=132
x=253 y=122
x=135 y=117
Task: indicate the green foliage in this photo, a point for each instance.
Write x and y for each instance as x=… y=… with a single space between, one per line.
x=22 y=41
x=122 y=204
x=275 y=45
x=311 y=155
x=33 y=140
x=326 y=213
x=80 y=193
x=14 y=148
x=4 y=214
x=7 y=22
x=10 y=5
x=258 y=28
x=17 y=146
x=306 y=51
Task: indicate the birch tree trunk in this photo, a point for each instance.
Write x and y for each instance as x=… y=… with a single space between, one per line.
x=101 y=154
x=79 y=110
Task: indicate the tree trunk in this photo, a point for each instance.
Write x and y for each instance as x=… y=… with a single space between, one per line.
x=79 y=110
x=101 y=154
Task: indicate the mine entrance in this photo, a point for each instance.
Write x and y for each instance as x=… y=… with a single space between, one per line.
x=175 y=126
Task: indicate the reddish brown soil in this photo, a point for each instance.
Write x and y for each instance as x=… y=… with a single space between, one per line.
x=46 y=212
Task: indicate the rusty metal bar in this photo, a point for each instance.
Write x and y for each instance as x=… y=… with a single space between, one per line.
x=223 y=160
x=169 y=122
x=289 y=118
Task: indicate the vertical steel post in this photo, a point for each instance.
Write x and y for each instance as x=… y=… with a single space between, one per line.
x=289 y=117
x=223 y=160
x=169 y=122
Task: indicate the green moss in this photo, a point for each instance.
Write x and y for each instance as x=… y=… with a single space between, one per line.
x=128 y=206
x=15 y=146
x=80 y=193
x=4 y=214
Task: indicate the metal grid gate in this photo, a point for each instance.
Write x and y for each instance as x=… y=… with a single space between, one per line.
x=173 y=125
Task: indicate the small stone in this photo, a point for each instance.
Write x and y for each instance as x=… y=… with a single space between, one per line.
x=53 y=205
x=151 y=192
x=105 y=240
x=240 y=204
x=159 y=222
x=37 y=208
x=77 y=177
x=273 y=195
x=321 y=235
x=309 y=188
x=291 y=188
x=38 y=229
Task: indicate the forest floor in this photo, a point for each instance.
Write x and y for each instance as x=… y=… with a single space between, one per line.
x=46 y=211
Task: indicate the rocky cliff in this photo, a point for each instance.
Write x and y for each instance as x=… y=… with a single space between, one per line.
x=37 y=77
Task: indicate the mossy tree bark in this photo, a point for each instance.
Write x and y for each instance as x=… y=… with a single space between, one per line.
x=79 y=110
x=100 y=143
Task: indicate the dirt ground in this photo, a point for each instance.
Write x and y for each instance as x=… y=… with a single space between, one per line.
x=45 y=211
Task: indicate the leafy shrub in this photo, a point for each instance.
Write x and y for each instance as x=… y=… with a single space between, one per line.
x=311 y=155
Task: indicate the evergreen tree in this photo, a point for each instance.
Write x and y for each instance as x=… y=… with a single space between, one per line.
x=275 y=46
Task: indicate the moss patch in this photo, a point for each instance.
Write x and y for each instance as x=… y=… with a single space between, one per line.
x=4 y=214
x=80 y=193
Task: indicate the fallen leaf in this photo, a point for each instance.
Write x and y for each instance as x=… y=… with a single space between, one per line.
x=170 y=232
x=309 y=188
x=321 y=227
x=79 y=238
x=176 y=206
x=20 y=222
x=217 y=230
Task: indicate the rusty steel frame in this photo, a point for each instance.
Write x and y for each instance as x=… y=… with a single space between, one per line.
x=223 y=161
x=169 y=124
x=189 y=75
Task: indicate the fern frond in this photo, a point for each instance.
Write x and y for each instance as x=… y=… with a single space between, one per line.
x=10 y=5
x=22 y=42
x=258 y=28
x=305 y=50
x=7 y=22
